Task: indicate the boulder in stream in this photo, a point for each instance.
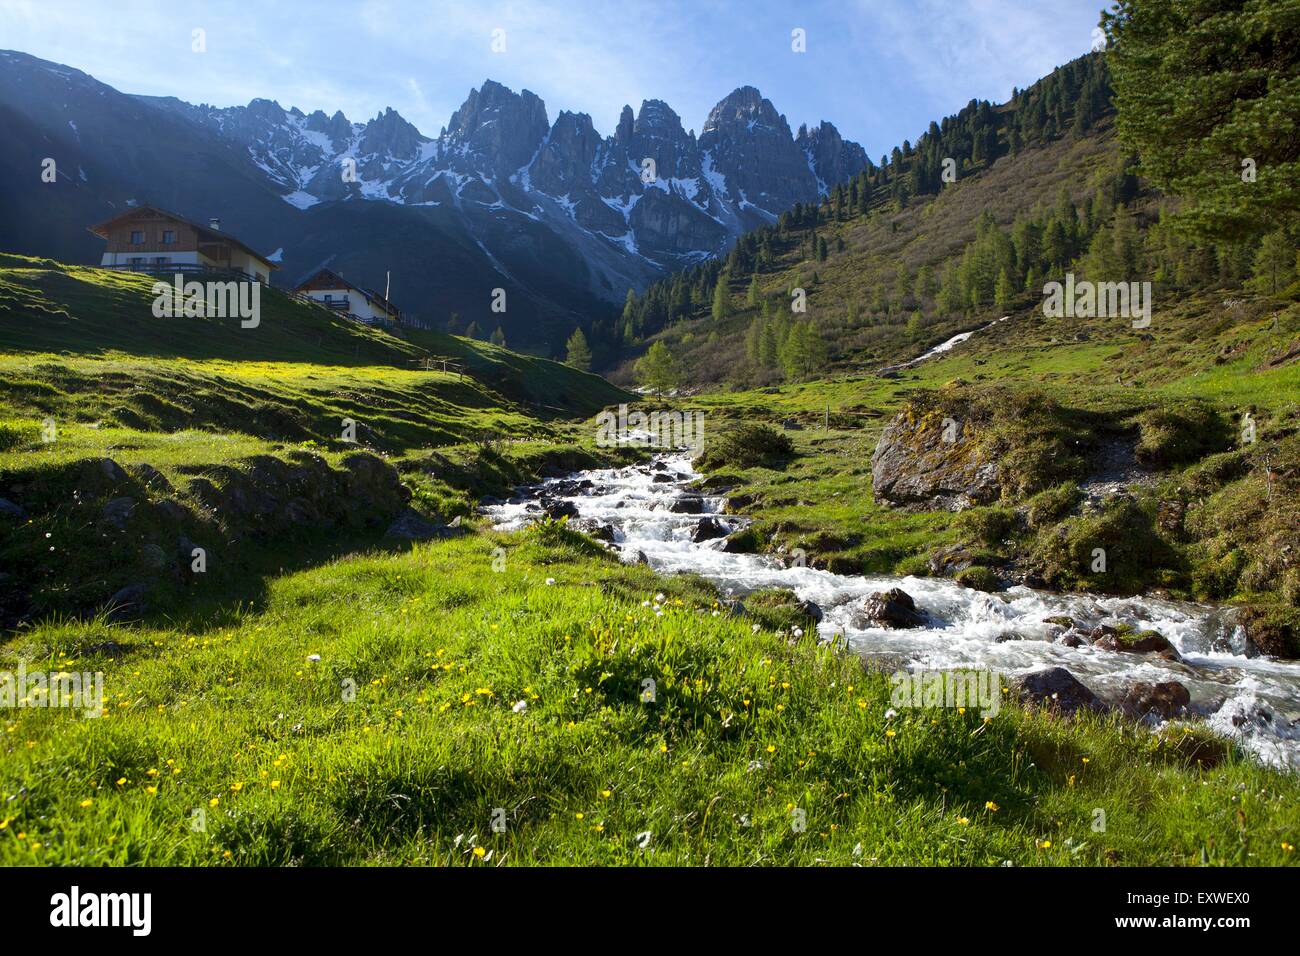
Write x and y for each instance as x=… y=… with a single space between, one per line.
x=557 y=509
x=1056 y=689
x=1165 y=700
x=744 y=541
x=595 y=528
x=708 y=529
x=1107 y=638
x=893 y=608
x=687 y=505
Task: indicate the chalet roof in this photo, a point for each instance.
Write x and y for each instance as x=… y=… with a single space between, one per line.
x=207 y=232
x=334 y=279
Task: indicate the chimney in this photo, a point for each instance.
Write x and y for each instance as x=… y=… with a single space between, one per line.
x=215 y=223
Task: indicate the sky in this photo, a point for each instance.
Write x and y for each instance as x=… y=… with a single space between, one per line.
x=880 y=70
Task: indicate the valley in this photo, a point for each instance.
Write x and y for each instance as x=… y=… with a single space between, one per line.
x=718 y=499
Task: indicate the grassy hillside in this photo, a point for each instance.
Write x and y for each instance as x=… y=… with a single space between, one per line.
x=487 y=695
x=188 y=412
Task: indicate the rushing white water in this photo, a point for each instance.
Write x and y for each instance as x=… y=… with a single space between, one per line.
x=1255 y=700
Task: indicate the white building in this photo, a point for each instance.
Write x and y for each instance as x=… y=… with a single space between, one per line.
x=334 y=292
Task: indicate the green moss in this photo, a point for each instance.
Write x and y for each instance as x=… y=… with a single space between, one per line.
x=745 y=445
x=1179 y=435
x=977 y=577
x=1053 y=505
x=988 y=526
x=1115 y=549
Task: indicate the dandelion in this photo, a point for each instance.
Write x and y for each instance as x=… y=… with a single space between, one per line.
x=1287 y=847
x=236 y=786
x=275 y=784
x=550 y=580
x=991 y=807
x=964 y=821
x=480 y=852
x=151 y=790
x=889 y=733
x=214 y=801
x=87 y=802
x=578 y=815
x=1044 y=844
x=606 y=793
x=520 y=706
x=771 y=748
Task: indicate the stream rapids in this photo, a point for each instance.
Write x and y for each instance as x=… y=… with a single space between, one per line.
x=1254 y=700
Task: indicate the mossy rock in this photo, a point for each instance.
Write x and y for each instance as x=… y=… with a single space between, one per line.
x=1272 y=630
x=1053 y=505
x=1123 y=534
x=1176 y=436
x=979 y=578
x=747 y=445
x=988 y=526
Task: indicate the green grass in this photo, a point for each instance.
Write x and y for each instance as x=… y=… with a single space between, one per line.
x=214 y=705
x=236 y=721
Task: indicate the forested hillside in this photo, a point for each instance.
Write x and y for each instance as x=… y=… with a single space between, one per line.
x=900 y=259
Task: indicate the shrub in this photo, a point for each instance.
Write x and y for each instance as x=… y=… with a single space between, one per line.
x=989 y=526
x=1174 y=437
x=1053 y=505
x=746 y=446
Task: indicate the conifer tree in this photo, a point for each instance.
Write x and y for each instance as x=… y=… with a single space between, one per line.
x=657 y=369
x=721 y=298
x=577 y=352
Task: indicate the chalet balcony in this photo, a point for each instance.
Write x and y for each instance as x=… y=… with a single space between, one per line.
x=186 y=268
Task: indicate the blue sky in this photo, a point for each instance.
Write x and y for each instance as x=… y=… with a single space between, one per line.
x=879 y=69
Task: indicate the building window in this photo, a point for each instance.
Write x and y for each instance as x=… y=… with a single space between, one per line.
x=161 y=260
x=136 y=260
x=329 y=297
x=169 y=237
x=137 y=237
